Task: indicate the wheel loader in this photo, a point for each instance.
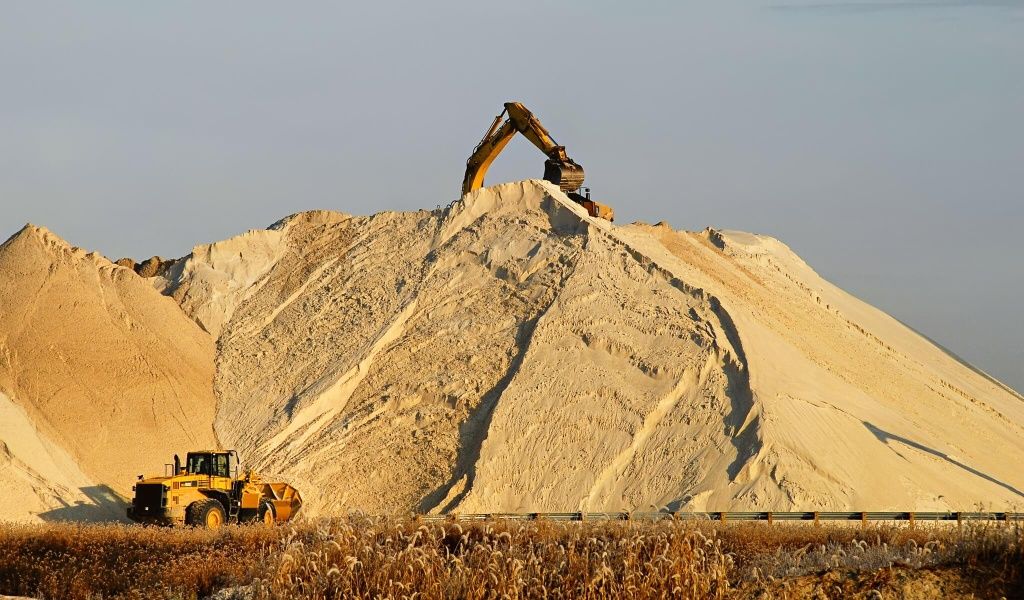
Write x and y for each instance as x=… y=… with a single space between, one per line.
x=207 y=491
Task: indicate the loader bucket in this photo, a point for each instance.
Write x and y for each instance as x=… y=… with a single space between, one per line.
x=285 y=498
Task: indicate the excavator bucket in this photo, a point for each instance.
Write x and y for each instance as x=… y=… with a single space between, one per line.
x=566 y=174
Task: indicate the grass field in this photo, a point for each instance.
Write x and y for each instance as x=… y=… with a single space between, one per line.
x=361 y=557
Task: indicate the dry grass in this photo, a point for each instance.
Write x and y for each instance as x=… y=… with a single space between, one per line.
x=361 y=557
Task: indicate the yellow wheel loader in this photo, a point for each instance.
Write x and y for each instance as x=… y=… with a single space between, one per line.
x=207 y=491
x=559 y=169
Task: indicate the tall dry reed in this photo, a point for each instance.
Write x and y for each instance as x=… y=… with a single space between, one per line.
x=364 y=557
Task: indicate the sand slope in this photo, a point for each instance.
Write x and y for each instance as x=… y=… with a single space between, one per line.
x=37 y=475
x=511 y=353
x=102 y=378
x=857 y=410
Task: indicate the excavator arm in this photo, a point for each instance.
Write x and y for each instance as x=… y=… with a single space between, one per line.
x=497 y=137
x=558 y=168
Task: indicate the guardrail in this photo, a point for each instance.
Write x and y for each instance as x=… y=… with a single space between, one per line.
x=726 y=517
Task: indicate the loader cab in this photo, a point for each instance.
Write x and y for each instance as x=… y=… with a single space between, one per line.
x=214 y=464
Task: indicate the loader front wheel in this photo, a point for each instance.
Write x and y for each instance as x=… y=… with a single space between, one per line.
x=208 y=514
x=267 y=515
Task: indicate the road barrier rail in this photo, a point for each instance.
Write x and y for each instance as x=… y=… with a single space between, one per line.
x=725 y=517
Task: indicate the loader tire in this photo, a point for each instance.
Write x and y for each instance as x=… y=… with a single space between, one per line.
x=208 y=514
x=267 y=515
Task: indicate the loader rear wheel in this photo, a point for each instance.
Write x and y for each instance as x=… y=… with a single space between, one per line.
x=208 y=514
x=267 y=514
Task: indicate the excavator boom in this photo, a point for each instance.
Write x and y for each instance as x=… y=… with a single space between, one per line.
x=559 y=169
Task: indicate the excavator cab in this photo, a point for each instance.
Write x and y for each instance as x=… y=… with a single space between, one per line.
x=559 y=169
x=594 y=209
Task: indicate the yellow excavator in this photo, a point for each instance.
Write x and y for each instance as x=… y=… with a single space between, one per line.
x=559 y=169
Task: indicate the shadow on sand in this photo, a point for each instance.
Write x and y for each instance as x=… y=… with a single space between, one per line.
x=103 y=505
x=884 y=437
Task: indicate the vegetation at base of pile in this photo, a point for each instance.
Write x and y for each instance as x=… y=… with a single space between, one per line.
x=371 y=557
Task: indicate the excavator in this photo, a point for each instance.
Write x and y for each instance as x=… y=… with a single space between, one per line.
x=559 y=169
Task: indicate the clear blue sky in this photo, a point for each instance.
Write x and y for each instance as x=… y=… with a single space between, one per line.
x=883 y=141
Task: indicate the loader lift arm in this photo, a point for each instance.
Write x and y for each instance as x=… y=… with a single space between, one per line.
x=558 y=168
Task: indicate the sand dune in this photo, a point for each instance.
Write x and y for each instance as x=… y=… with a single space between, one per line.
x=510 y=353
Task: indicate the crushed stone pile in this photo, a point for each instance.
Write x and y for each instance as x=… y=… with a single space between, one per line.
x=511 y=353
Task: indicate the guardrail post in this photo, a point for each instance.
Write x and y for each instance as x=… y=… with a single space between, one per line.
x=959 y=520
x=817 y=523
x=769 y=517
x=721 y=517
x=583 y=516
x=910 y=517
x=863 y=520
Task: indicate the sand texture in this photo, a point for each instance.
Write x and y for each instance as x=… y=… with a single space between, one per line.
x=508 y=353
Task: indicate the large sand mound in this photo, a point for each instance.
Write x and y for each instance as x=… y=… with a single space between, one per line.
x=508 y=353
x=102 y=378
x=511 y=353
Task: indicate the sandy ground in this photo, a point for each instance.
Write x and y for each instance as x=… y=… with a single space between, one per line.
x=510 y=353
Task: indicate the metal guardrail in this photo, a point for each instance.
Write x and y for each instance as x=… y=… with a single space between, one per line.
x=726 y=517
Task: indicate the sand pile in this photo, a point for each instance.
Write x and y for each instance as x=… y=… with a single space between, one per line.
x=510 y=353
x=102 y=378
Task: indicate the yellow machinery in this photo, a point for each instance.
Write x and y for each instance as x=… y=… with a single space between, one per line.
x=558 y=168
x=207 y=492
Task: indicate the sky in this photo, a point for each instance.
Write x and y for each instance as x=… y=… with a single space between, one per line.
x=882 y=141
